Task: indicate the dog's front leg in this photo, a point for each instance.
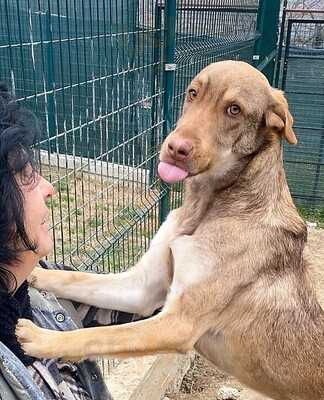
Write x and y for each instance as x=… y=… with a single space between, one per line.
x=189 y=311
x=138 y=290
x=141 y=289
x=163 y=333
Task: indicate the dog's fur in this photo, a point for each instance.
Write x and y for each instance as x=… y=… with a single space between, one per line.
x=227 y=266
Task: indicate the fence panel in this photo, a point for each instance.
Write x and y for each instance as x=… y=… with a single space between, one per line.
x=92 y=70
x=302 y=78
x=207 y=32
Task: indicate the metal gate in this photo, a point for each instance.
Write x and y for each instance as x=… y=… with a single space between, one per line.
x=301 y=76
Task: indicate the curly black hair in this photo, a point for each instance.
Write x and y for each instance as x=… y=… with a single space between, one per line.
x=19 y=129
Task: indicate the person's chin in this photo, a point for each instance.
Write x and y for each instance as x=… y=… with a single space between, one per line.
x=45 y=248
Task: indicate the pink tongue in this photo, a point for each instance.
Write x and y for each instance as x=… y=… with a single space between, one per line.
x=170 y=173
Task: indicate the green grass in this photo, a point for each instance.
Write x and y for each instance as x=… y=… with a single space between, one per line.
x=313 y=215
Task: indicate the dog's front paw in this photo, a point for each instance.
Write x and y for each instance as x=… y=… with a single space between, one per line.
x=37 y=278
x=37 y=342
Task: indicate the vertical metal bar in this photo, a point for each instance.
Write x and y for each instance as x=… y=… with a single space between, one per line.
x=155 y=79
x=61 y=143
x=76 y=119
x=267 y=27
x=10 y=50
x=84 y=149
x=50 y=84
x=32 y=54
x=70 y=84
x=169 y=74
x=22 y=58
x=319 y=164
x=285 y=65
x=280 y=44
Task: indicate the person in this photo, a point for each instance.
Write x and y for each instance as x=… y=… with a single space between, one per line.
x=25 y=240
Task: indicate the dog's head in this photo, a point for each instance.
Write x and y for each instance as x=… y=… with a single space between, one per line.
x=230 y=113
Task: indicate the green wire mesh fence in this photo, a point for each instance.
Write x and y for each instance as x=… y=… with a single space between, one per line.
x=208 y=32
x=93 y=71
x=86 y=68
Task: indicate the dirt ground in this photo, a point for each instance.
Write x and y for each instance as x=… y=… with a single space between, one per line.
x=205 y=382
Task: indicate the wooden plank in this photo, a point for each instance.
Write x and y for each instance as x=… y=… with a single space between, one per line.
x=164 y=371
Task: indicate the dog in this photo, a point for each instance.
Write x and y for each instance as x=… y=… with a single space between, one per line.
x=227 y=267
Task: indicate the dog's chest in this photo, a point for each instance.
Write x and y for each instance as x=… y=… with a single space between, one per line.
x=192 y=263
x=212 y=346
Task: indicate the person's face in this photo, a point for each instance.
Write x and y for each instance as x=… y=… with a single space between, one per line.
x=36 y=213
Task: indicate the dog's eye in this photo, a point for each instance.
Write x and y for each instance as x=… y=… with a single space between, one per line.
x=233 y=110
x=192 y=94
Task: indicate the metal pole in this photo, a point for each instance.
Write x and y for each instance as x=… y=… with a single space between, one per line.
x=50 y=83
x=169 y=75
x=285 y=65
x=280 y=45
x=267 y=28
x=155 y=86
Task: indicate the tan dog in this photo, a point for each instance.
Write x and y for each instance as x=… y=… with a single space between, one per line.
x=227 y=266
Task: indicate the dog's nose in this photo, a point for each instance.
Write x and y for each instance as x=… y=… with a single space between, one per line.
x=179 y=148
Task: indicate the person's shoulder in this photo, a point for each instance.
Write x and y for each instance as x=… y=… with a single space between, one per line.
x=14 y=378
x=6 y=392
x=41 y=299
x=52 y=312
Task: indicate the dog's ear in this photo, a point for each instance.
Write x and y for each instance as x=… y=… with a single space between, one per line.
x=278 y=116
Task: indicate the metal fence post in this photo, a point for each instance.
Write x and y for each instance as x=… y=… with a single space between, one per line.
x=169 y=75
x=278 y=68
x=267 y=28
x=50 y=82
x=156 y=83
x=285 y=64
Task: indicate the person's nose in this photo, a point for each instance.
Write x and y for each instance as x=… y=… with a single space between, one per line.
x=47 y=188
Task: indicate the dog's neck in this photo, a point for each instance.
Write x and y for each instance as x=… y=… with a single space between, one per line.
x=262 y=191
x=257 y=185
x=262 y=184
x=198 y=198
